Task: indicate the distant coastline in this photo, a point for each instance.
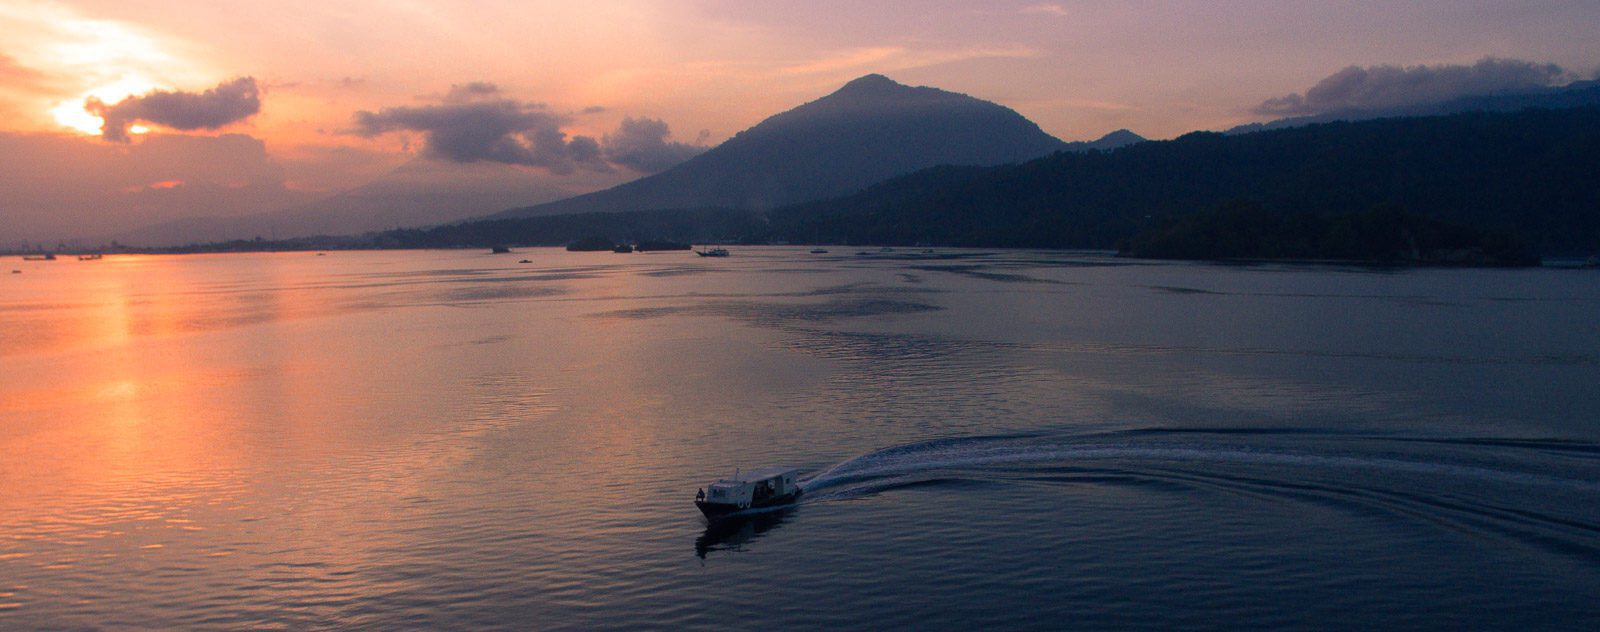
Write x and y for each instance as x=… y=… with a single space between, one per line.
x=1237 y=232
x=350 y=245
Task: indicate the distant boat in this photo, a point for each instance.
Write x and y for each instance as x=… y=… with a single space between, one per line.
x=622 y=249
x=524 y=261
x=819 y=251
x=93 y=257
x=44 y=257
x=499 y=250
x=761 y=488
x=713 y=252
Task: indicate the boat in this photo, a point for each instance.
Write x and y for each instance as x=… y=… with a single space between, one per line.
x=93 y=257
x=819 y=251
x=499 y=250
x=622 y=249
x=768 y=487
x=44 y=257
x=713 y=252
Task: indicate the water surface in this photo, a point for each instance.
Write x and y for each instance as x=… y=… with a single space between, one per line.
x=990 y=439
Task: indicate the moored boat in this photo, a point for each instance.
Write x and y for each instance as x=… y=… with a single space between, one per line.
x=762 y=488
x=712 y=252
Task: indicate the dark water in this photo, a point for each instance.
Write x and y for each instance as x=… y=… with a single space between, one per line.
x=990 y=439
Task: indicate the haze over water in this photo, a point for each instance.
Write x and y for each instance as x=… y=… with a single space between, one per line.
x=450 y=439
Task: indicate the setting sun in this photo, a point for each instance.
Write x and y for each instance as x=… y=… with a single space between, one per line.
x=71 y=113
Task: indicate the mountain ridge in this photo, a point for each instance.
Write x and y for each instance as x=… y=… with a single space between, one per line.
x=1506 y=178
x=870 y=129
x=1575 y=94
x=1530 y=171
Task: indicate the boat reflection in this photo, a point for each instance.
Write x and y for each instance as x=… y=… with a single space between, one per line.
x=731 y=533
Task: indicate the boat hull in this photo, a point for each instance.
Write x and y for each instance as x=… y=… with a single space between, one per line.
x=718 y=510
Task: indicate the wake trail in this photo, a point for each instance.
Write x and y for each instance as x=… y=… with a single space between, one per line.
x=908 y=464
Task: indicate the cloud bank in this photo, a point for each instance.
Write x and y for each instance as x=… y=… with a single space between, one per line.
x=1380 y=87
x=474 y=122
x=230 y=102
x=59 y=186
x=500 y=130
x=641 y=145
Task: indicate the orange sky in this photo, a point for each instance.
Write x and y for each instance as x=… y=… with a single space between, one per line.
x=706 y=68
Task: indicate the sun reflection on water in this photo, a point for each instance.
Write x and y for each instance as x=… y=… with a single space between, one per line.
x=426 y=438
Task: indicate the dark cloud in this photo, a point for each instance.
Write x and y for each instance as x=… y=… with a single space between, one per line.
x=474 y=123
x=495 y=130
x=465 y=92
x=593 y=109
x=1379 y=87
x=231 y=101
x=641 y=145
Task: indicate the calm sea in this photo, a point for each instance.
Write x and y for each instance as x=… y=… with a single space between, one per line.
x=990 y=439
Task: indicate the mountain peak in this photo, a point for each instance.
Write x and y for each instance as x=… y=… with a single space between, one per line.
x=873 y=79
x=1120 y=137
x=870 y=85
x=868 y=130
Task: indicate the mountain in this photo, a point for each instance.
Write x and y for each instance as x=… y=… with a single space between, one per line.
x=871 y=129
x=1577 y=94
x=1530 y=172
x=1468 y=188
x=1114 y=140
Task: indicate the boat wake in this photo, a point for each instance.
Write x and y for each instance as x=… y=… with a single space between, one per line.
x=1544 y=494
x=968 y=459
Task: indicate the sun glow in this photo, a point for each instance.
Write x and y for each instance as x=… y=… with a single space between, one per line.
x=72 y=115
x=73 y=56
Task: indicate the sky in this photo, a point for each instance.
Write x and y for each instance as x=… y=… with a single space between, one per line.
x=117 y=114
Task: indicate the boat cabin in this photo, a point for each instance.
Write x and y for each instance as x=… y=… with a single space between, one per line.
x=770 y=486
